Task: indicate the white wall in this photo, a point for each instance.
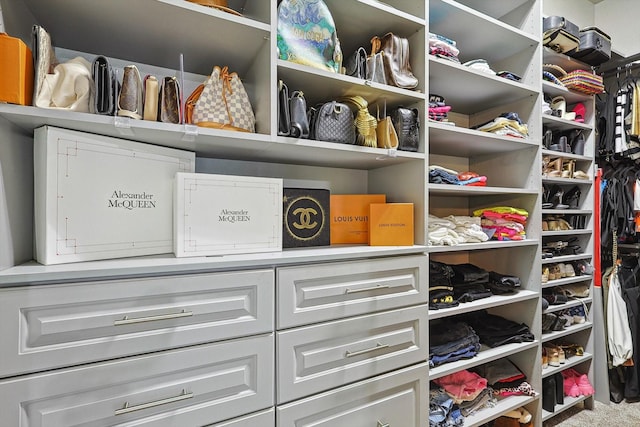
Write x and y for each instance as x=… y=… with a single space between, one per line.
x=619 y=19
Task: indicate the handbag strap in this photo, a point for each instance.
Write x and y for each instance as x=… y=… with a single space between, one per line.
x=376 y=43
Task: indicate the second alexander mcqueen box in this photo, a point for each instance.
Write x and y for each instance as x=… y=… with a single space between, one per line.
x=224 y=214
x=98 y=197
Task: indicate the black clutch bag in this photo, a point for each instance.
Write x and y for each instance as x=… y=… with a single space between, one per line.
x=105 y=84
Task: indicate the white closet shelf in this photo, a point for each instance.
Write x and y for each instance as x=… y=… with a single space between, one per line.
x=322 y=86
x=485 y=355
x=564 y=124
x=456 y=190
x=566 y=212
x=566 y=281
x=458 y=141
x=569 y=304
x=566 y=155
x=123 y=29
x=459 y=23
x=503 y=406
x=566 y=258
x=493 y=301
x=568 y=403
x=566 y=62
x=212 y=142
x=473 y=91
x=33 y=273
x=566 y=181
x=570 y=362
x=566 y=233
x=492 y=244
x=570 y=96
x=567 y=331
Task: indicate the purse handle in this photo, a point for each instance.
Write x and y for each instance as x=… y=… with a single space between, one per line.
x=376 y=44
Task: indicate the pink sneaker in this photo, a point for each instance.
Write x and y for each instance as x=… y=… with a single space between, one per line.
x=586 y=389
x=571 y=389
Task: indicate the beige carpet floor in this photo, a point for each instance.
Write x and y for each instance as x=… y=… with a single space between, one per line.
x=622 y=414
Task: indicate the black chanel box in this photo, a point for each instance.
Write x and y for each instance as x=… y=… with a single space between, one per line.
x=305 y=213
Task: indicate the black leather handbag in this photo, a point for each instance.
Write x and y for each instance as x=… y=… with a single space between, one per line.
x=406 y=122
x=333 y=122
x=356 y=64
x=292 y=113
x=105 y=85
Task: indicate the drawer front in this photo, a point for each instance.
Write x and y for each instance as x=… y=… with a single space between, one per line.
x=322 y=292
x=316 y=358
x=192 y=386
x=261 y=419
x=61 y=325
x=398 y=399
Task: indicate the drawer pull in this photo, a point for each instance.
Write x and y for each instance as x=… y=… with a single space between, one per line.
x=359 y=352
x=126 y=408
x=381 y=424
x=371 y=288
x=126 y=321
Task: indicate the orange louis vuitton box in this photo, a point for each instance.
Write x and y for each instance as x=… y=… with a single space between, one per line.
x=391 y=224
x=16 y=78
x=350 y=217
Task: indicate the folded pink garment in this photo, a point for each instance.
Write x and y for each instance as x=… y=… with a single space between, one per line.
x=463 y=385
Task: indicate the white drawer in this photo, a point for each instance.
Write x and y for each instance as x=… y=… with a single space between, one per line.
x=398 y=399
x=316 y=358
x=53 y=326
x=261 y=419
x=192 y=386
x=322 y=292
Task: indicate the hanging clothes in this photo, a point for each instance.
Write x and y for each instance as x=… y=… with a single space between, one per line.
x=619 y=334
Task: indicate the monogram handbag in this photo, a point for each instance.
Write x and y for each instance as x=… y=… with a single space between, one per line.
x=224 y=103
x=169 y=101
x=396 y=61
x=333 y=122
x=407 y=125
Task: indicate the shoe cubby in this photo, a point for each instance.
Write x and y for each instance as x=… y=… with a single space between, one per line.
x=568 y=170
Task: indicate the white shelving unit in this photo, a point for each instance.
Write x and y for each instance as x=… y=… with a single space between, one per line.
x=581 y=334
x=510 y=41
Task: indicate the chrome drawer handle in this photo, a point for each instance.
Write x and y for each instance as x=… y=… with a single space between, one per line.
x=126 y=408
x=372 y=288
x=359 y=352
x=126 y=321
x=381 y=424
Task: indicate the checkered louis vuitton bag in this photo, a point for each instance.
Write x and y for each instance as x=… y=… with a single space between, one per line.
x=224 y=103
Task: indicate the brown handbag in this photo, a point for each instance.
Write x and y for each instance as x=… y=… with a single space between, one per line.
x=396 y=60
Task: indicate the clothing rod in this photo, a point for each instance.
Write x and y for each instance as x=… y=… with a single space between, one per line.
x=620 y=64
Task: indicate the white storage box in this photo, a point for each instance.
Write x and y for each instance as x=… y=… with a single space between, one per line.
x=98 y=197
x=223 y=214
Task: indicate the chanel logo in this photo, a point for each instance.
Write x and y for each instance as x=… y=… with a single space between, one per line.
x=305 y=218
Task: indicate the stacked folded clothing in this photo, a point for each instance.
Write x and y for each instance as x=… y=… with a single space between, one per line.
x=438 y=109
x=454 y=230
x=502 y=283
x=443 y=47
x=443 y=412
x=440 y=288
x=441 y=175
x=449 y=343
x=495 y=330
x=467 y=389
x=503 y=222
x=507 y=124
x=470 y=282
x=480 y=65
x=505 y=378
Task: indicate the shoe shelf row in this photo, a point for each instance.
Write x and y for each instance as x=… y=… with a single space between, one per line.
x=510 y=40
x=581 y=334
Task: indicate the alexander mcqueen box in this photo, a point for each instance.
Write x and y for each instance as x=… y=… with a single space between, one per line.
x=305 y=219
x=16 y=77
x=350 y=217
x=224 y=214
x=391 y=224
x=98 y=197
